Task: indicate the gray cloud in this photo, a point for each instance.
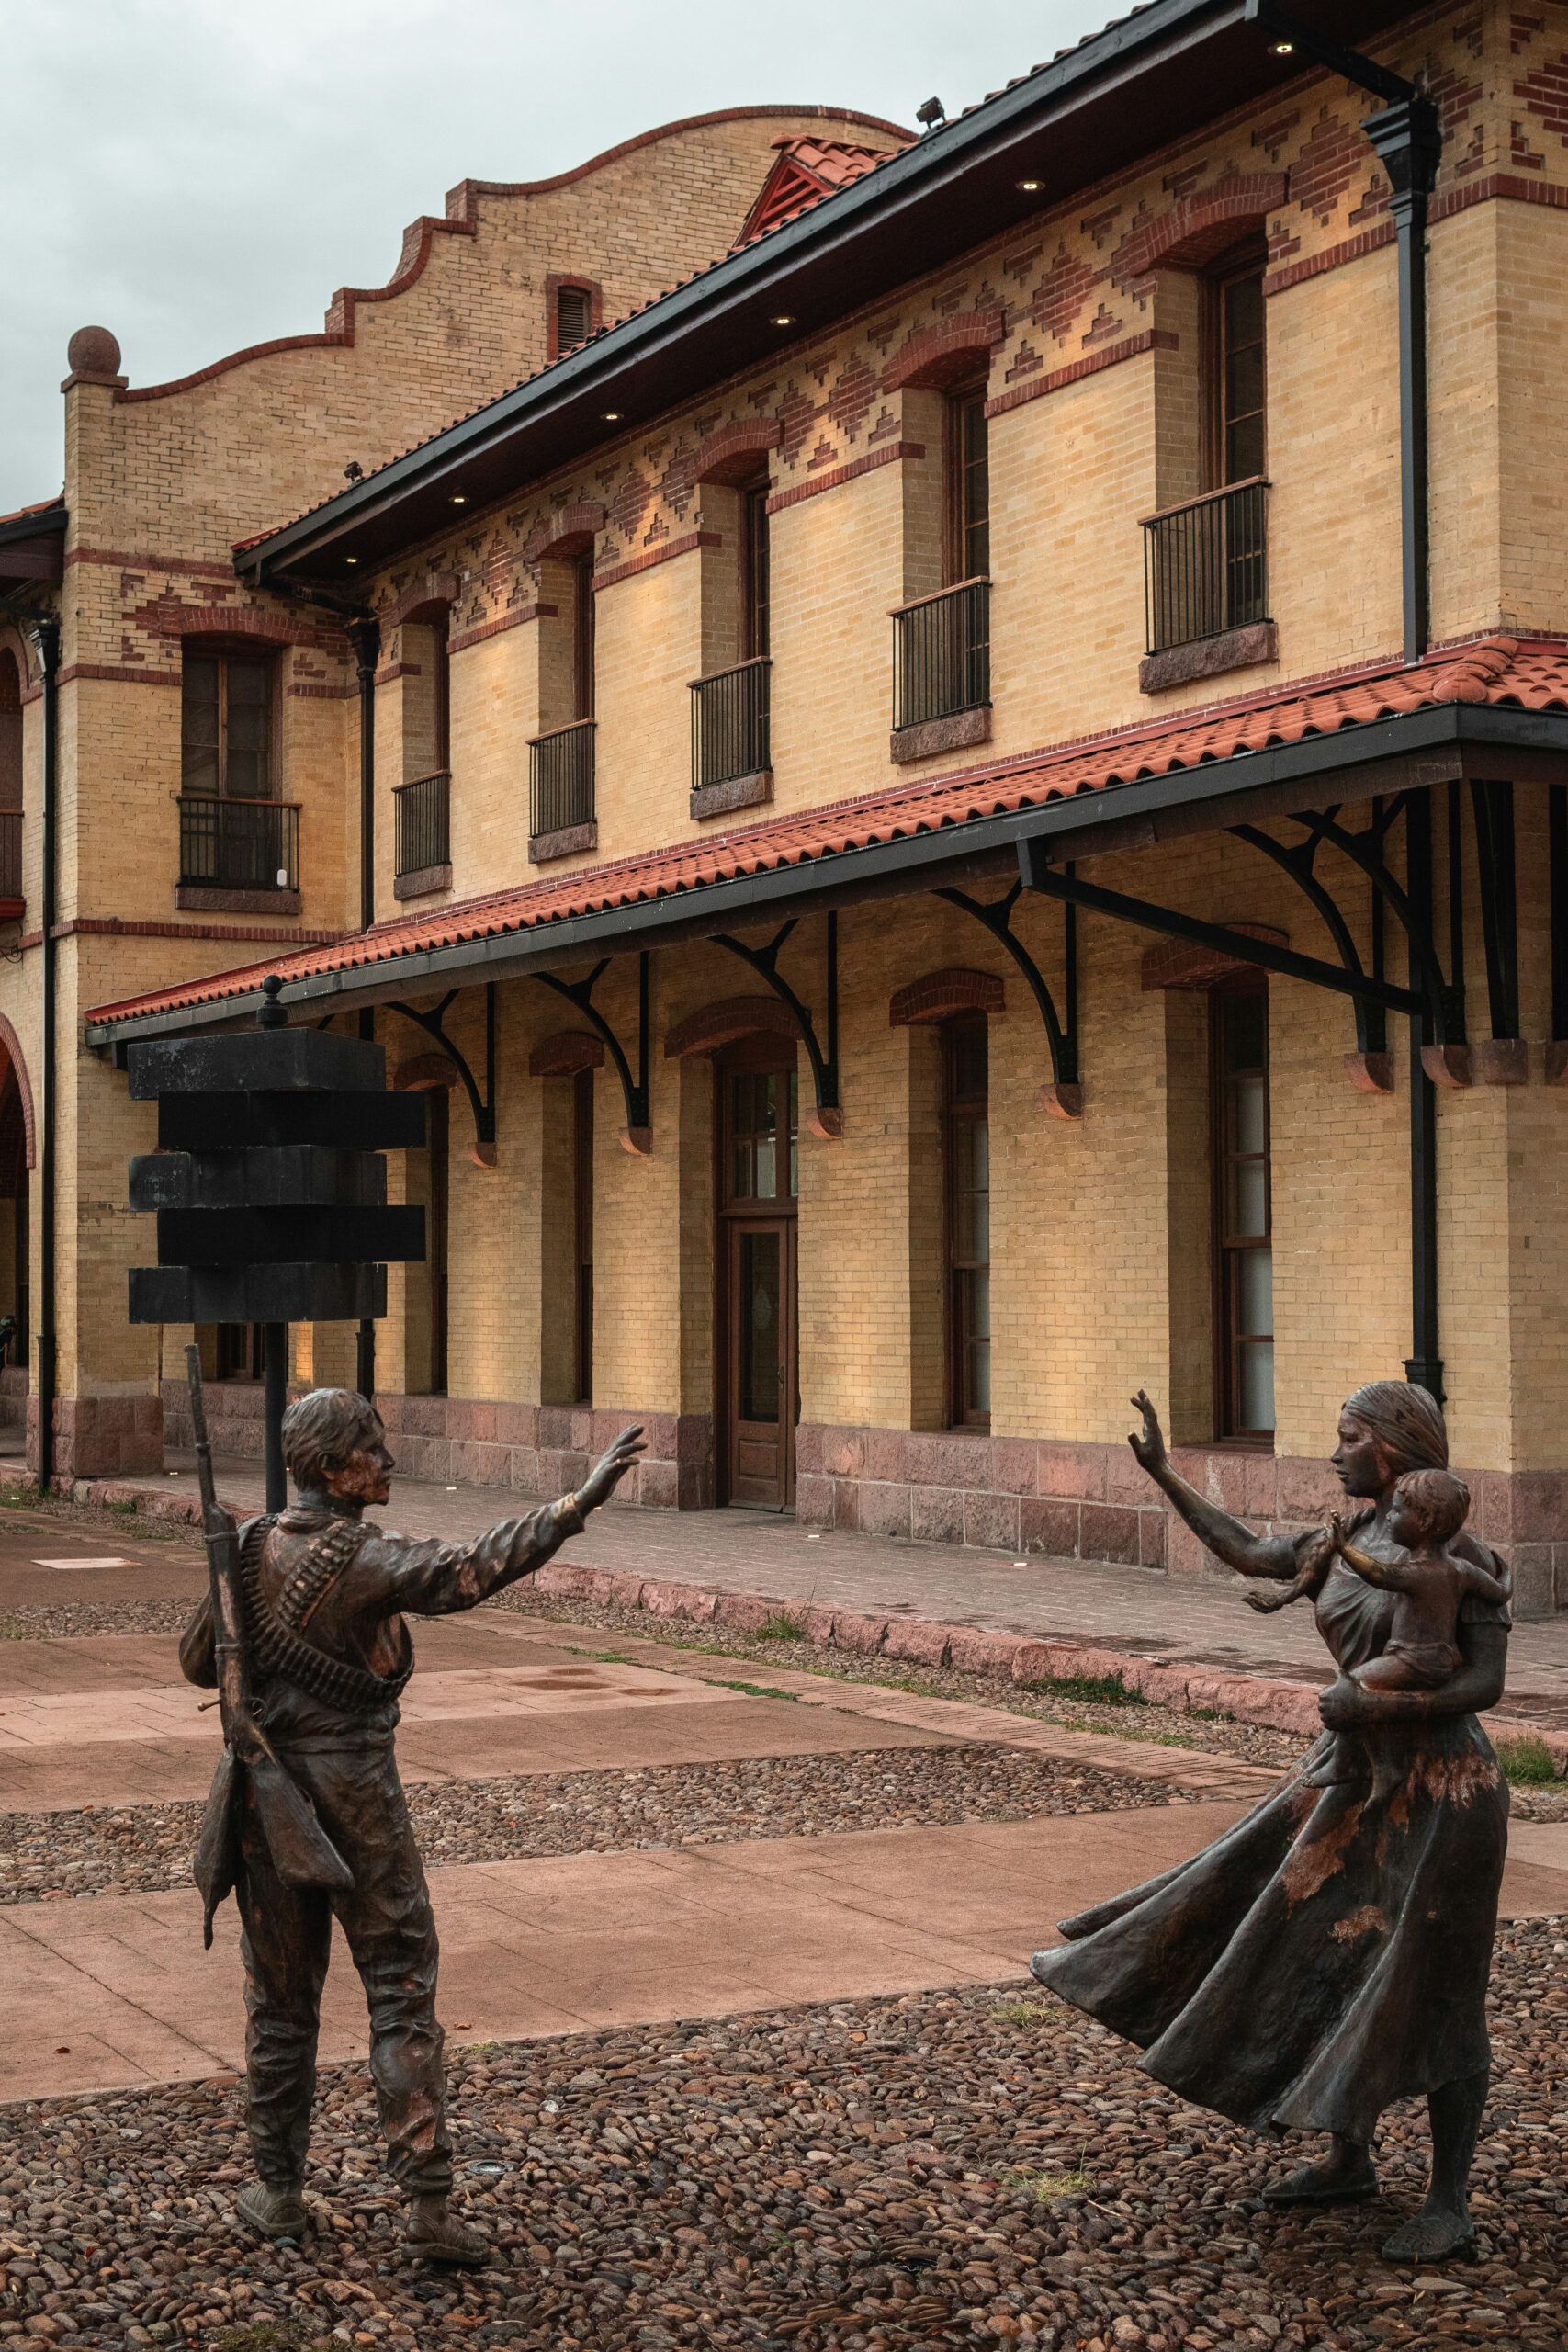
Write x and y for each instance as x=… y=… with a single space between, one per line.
x=197 y=174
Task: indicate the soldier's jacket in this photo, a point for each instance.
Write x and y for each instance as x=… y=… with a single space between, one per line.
x=360 y=1620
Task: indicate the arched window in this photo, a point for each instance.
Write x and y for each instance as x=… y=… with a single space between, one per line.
x=966 y=1141
x=1234 y=401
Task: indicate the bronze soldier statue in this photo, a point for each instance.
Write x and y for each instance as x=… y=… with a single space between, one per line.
x=320 y=1639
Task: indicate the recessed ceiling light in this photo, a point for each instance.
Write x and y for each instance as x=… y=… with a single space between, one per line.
x=1282 y=48
x=1030 y=188
x=611 y=416
x=351 y=558
x=460 y=498
x=784 y=318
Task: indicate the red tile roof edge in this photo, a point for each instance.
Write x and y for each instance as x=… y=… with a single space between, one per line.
x=1530 y=672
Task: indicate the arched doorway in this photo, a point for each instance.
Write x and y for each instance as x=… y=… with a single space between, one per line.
x=15 y=1321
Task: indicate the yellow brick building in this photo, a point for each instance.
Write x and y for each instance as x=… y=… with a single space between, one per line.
x=965 y=810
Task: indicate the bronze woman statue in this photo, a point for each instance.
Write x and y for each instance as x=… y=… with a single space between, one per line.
x=1329 y=1954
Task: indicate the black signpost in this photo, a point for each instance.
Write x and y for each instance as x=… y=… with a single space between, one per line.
x=269 y=1185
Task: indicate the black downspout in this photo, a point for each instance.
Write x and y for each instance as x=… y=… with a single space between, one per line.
x=46 y=645
x=1409 y=142
x=1424 y=1365
x=365 y=636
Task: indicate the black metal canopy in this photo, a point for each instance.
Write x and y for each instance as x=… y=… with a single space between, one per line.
x=1158 y=75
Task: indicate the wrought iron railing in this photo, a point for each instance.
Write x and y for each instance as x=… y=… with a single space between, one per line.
x=1206 y=565
x=422 y=823
x=560 y=778
x=10 y=853
x=239 y=844
x=942 y=653
x=729 y=723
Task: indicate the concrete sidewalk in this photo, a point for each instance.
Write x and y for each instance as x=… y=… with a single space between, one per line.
x=1186 y=1640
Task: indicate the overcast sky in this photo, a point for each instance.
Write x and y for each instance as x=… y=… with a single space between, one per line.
x=200 y=174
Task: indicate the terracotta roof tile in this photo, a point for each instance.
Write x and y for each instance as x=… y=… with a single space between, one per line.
x=1530 y=674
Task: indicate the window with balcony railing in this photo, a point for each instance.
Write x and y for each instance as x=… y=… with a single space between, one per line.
x=229 y=844
x=729 y=724
x=422 y=825
x=1206 y=566
x=941 y=654
x=560 y=780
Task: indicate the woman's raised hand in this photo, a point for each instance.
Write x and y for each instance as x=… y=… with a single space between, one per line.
x=1148 y=1443
x=610 y=1469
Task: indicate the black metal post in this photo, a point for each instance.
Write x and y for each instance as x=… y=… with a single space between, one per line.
x=1493 y=806
x=1424 y=1365
x=46 y=647
x=1409 y=142
x=275 y=1358
x=1557 y=886
x=364 y=1336
x=365 y=638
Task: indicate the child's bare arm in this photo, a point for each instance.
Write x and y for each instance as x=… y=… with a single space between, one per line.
x=1390 y=1576
x=1476 y=1583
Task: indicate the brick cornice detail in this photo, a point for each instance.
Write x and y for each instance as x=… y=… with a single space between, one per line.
x=118 y=559
x=1200 y=227
x=713 y=1026
x=939 y=355
x=566 y=1053
x=524 y=613
x=169 y=618
x=124 y=676
x=733 y=450
x=1506 y=188
x=1181 y=963
x=12 y=1045
x=124 y=927
x=572 y=531
x=1058 y=378
x=650 y=556
x=939 y=995
x=890 y=453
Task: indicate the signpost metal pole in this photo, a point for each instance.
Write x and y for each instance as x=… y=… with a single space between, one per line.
x=275 y=1357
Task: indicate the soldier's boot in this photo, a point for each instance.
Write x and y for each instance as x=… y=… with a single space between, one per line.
x=274 y=2210
x=434 y=2232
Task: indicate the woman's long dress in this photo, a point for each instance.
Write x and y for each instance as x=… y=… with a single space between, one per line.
x=1330 y=1954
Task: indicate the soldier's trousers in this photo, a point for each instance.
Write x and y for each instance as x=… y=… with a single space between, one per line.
x=390 y=1932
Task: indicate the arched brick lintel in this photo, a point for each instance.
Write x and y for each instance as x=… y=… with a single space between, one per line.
x=1178 y=963
x=565 y=1053
x=570 y=533
x=713 y=1026
x=11 y=1045
x=939 y=995
x=731 y=453
x=429 y=601
x=1200 y=228
x=940 y=356
x=422 y=1072
x=172 y=619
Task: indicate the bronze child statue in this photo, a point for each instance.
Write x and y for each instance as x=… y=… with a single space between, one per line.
x=320 y=1637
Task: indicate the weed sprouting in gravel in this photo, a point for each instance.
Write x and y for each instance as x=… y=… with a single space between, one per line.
x=1014 y=2013
x=271 y=2336
x=1528 y=1761
x=782 y=1628
x=1044 y=2188
x=1094 y=1690
x=752 y=1689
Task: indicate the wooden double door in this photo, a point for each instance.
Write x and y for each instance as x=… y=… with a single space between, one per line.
x=758 y=1185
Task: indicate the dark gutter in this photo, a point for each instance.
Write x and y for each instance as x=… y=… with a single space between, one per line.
x=1164 y=70
x=46 y=647
x=1354 y=764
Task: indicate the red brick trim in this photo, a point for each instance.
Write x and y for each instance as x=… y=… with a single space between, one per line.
x=422 y=1073
x=572 y=531
x=1197 y=228
x=1505 y=188
x=461 y=200
x=941 y=994
x=12 y=1045
x=167 y=618
x=888 y=454
x=732 y=453
x=1178 y=963
x=460 y=644
x=75 y=670
x=936 y=357
x=119 y=927
x=565 y=1053
x=392 y=671
x=650 y=556
x=713 y=1026
x=1113 y=355
x=433 y=596
x=1296 y=273
x=554 y=280
x=312 y=692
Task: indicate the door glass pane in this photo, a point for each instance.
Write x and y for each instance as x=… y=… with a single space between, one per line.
x=249 y=764
x=1254 y=1302
x=761 y=1335
x=1250 y=1114
x=198 y=725
x=1249 y=1200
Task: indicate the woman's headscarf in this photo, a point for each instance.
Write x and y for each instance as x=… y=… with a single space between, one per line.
x=1407 y=1423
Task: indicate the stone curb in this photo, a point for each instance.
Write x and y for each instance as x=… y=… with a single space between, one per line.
x=1270 y=1700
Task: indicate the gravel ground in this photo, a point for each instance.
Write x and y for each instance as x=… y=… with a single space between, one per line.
x=137 y=1850
x=981 y=2167
x=1170 y=1727
x=65 y=1620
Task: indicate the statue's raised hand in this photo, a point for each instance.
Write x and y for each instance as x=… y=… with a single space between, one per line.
x=1148 y=1443
x=610 y=1469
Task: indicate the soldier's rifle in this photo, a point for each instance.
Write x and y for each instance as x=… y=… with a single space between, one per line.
x=301 y=1852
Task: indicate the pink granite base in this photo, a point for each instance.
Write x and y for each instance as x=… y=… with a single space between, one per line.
x=471 y=1441
x=100 y=1437
x=1092 y=1503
